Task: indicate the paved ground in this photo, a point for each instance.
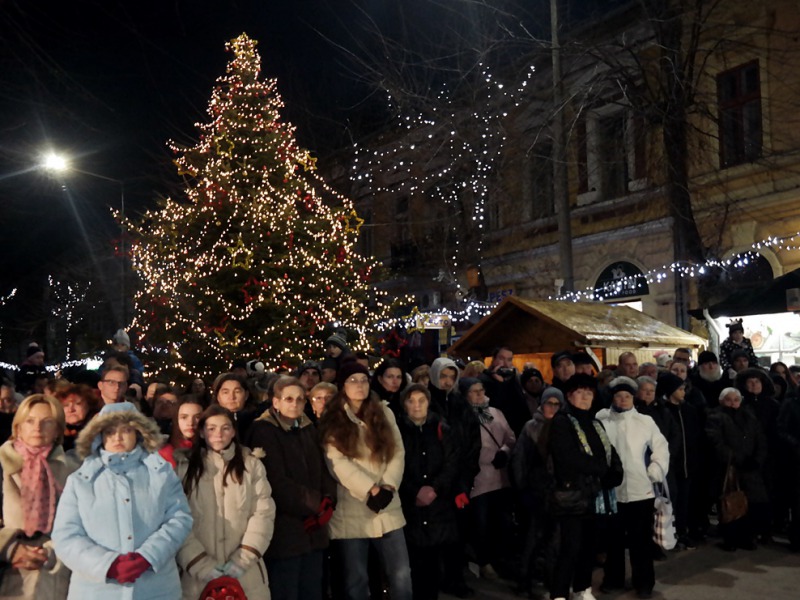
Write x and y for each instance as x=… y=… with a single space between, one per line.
x=708 y=573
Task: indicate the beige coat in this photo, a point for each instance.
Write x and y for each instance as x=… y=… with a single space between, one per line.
x=234 y=520
x=19 y=584
x=355 y=477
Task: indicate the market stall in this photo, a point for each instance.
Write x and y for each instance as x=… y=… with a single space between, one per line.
x=535 y=329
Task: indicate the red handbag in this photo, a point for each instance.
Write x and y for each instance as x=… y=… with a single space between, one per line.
x=223 y=588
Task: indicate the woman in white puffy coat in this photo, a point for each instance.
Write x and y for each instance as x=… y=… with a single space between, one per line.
x=232 y=506
x=645 y=460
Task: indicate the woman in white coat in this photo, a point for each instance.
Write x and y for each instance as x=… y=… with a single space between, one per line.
x=645 y=460
x=365 y=455
x=232 y=506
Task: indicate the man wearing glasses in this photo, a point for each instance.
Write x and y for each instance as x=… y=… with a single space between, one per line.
x=113 y=383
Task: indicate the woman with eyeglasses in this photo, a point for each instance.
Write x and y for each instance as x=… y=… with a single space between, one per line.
x=365 y=455
x=303 y=491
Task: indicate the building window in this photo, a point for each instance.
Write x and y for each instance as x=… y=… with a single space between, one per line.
x=541 y=166
x=739 y=100
x=612 y=156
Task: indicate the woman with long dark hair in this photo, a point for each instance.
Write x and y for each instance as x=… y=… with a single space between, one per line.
x=388 y=382
x=232 y=506
x=365 y=455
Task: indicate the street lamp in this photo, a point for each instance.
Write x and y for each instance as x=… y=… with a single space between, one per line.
x=57 y=163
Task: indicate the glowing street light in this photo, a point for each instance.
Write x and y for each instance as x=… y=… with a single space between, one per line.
x=59 y=164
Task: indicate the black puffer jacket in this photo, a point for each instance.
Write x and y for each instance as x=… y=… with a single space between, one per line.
x=431 y=459
x=300 y=479
x=736 y=438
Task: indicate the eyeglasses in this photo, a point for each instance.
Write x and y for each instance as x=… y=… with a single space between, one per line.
x=291 y=400
x=357 y=380
x=111 y=382
x=552 y=403
x=477 y=391
x=321 y=398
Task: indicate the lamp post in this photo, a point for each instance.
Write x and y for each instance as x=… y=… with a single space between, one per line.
x=56 y=163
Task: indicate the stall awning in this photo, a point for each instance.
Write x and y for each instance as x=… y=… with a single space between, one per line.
x=530 y=326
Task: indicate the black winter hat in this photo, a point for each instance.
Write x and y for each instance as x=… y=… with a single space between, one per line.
x=707 y=357
x=528 y=373
x=667 y=384
x=349 y=368
x=559 y=356
x=465 y=383
x=339 y=340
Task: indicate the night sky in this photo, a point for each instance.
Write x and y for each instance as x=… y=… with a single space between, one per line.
x=109 y=82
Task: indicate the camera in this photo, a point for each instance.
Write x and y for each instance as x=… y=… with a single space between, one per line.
x=505 y=372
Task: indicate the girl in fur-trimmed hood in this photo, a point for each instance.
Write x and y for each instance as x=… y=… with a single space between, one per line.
x=112 y=415
x=123 y=515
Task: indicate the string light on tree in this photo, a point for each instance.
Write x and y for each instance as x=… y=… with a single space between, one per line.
x=258 y=258
x=66 y=298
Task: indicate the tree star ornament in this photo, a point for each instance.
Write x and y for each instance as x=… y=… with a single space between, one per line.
x=240 y=256
x=353 y=218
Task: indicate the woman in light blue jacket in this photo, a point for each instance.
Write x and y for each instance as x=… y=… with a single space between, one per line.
x=123 y=514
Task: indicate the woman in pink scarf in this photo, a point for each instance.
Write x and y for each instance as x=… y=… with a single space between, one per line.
x=34 y=469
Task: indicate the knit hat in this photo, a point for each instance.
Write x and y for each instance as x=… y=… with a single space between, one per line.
x=339 y=340
x=578 y=381
x=552 y=392
x=347 y=369
x=707 y=357
x=623 y=384
x=667 y=384
x=465 y=383
x=33 y=349
x=527 y=374
x=559 y=356
x=309 y=365
x=121 y=338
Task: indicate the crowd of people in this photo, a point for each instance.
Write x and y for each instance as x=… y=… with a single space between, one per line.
x=340 y=480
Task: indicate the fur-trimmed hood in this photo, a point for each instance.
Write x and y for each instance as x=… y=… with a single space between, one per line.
x=91 y=438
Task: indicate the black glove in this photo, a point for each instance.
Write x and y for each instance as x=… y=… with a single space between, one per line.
x=500 y=459
x=380 y=500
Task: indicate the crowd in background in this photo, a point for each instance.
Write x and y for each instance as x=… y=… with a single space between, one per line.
x=348 y=478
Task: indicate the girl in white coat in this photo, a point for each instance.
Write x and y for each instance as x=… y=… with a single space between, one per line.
x=232 y=506
x=645 y=460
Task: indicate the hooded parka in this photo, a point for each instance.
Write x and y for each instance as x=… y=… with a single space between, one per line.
x=118 y=503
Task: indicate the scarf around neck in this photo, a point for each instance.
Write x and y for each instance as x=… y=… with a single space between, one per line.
x=39 y=488
x=482 y=410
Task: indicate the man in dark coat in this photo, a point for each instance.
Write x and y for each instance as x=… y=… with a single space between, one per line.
x=504 y=390
x=709 y=378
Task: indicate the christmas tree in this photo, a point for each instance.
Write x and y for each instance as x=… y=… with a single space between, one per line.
x=258 y=260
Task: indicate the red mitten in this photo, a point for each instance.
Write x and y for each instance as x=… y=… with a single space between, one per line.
x=113 y=570
x=325 y=511
x=128 y=568
x=462 y=500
